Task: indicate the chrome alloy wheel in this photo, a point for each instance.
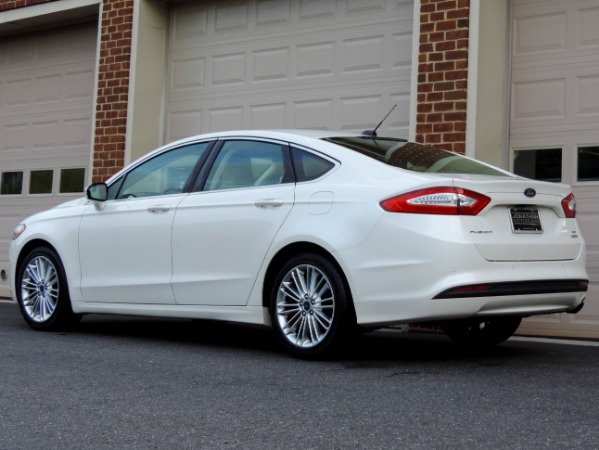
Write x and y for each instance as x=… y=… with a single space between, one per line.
x=305 y=306
x=40 y=289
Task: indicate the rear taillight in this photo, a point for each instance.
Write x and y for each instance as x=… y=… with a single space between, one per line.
x=438 y=200
x=569 y=205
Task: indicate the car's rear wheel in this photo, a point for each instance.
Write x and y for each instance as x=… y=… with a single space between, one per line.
x=310 y=307
x=42 y=291
x=481 y=332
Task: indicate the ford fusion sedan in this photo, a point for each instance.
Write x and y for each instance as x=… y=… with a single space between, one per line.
x=314 y=233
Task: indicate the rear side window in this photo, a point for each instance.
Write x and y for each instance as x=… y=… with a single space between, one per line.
x=308 y=166
x=242 y=164
x=413 y=156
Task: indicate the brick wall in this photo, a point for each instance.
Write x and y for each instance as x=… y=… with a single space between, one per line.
x=113 y=86
x=5 y=5
x=443 y=73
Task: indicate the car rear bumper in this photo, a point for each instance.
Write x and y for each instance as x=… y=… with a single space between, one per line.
x=411 y=270
x=386 y=313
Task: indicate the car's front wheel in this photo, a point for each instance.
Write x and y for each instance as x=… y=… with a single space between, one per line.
x=42 y=291
x=310 y=307
x=481 y=332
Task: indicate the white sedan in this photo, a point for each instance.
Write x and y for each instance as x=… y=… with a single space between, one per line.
x=314 y=233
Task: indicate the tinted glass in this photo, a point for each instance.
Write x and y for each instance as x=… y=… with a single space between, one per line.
x=72 y=180
x=11 y=183
x=164 y=174
x=40 y=181
x=588 y=163
x=308 y=166
x=243 y=164
x=539 y=164
x=413 y=156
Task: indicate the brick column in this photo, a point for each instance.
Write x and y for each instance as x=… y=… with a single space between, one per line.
x=5 y=5
x=443 y=74
x=116 y=25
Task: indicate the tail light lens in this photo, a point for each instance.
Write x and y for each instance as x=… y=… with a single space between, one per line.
x=438 y=200
x=569 y=205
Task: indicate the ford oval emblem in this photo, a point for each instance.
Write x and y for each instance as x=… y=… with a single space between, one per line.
x=530 y=192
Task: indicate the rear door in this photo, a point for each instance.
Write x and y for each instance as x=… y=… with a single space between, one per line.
x=222 y=233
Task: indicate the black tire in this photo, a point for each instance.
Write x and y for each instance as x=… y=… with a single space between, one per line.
x=42 y=291
x=478 y=333
x=311 y=308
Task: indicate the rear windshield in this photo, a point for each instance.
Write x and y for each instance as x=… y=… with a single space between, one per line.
x=414 y=157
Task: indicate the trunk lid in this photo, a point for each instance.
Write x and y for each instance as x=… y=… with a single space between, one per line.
x=525 y=220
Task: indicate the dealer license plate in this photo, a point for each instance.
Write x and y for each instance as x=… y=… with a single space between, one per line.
x=525 y=219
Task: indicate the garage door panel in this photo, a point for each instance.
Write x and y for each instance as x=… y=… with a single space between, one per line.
x=587 y=100
x=46 y=90
x=46 y=106
x=327 y=64
x=309 y=61
x=555 y=104
x=342 y=109
x=588 y=31
x=227 y=20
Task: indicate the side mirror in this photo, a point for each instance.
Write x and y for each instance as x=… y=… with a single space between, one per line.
x=98 y=192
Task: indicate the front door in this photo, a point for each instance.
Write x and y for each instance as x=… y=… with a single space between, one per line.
x=125 y=242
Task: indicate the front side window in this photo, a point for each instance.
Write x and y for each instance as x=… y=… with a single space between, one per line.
x=413 y=156
x=539 y=164
x=242 y=164
x=164 y=174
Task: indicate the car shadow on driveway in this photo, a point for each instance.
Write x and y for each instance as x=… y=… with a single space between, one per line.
x=377 y=348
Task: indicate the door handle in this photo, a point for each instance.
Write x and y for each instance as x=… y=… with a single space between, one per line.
x=159 y=209
x=269 y=203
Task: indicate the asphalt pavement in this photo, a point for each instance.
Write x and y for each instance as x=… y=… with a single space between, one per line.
x=138 y=383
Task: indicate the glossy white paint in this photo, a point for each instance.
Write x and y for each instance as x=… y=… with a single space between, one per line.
x=206 y=254
x=130 y=263
x=232 y=231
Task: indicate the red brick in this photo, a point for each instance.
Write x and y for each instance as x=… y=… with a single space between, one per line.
x=456 y=54
x=443 y=127
x=458 y=13
x=443 y=106
x=444 y=66
x=445 y=45
x=432 y=139
x=434 y=97
x=455 y=95
x=456 y=34
x=445 y=25
x=434 y=118
x=437 y=17
x=456 y=75
x=435 y=76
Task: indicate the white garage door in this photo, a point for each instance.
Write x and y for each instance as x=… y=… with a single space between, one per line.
x=46 y=87
x=555 y=124
x=328 y=64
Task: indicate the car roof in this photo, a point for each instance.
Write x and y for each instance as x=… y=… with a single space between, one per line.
x=305 y=137
x=282 y=134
